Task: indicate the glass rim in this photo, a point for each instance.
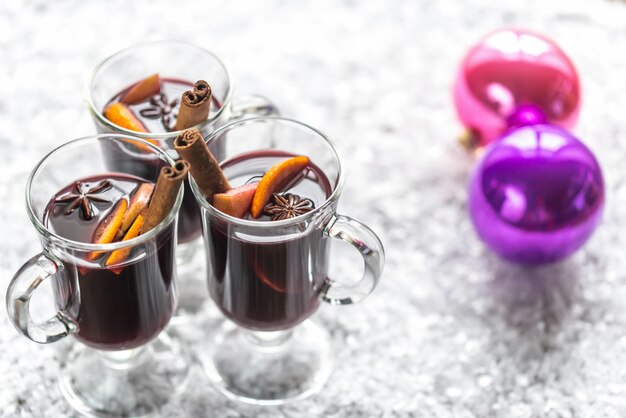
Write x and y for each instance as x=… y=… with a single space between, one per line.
x=286 y=222
x=87 y=246
x=157 y=135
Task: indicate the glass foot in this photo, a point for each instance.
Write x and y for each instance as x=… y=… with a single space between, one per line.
x=268 y=368
x=132 y=383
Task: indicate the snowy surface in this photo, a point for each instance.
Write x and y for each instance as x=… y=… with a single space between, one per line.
x=452 y=330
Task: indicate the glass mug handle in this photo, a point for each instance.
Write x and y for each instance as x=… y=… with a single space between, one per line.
x=252 y=105
x=367 y=243
x=21 y=289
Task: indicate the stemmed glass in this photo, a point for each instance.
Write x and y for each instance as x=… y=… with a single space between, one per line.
x=126 y=365
x=268 y=278
x=176 y=60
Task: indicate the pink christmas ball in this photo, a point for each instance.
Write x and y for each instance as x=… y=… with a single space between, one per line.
x=509 y=69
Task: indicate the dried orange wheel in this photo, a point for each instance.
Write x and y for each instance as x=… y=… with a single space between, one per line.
x=274 y=179
x=122 y=116
x=235 y=202
x=143 y=90
x=107 y=228
x=119 y=256
x=138 y=203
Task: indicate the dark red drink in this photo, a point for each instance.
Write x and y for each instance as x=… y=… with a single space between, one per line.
x=114 y=309
x=158 y=115
x=158 y=112
x=273 y=285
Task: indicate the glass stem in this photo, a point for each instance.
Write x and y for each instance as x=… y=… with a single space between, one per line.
x=122 y=360
x=271 y=341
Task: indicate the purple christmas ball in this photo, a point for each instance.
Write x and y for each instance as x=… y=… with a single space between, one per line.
x=537 y=194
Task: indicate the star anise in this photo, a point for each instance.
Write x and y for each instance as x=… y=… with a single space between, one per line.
x=83 y=197
x=287 y=206
x=161 y=108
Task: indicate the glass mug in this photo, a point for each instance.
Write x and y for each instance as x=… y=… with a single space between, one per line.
x=119 y=319
x=269 y=277
x=175 y=60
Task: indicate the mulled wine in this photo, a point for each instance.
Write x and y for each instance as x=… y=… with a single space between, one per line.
x=273 y=285
x=268 y=216
x=157 y=113
x=115 y=308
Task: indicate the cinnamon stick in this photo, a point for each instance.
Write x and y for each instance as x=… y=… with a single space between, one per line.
x=203 y=166
x=164 y=195
x=194 y=106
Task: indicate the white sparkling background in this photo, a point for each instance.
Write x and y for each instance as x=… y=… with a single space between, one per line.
x=452 y=330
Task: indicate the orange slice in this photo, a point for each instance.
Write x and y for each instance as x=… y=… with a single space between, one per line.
x=108 y=227
x=122 y=116
x=143 y=90
x=118 y=256
x=285 y=286
x=276 y=177
x=266 y=281
x=138 y=202
x=235 y=202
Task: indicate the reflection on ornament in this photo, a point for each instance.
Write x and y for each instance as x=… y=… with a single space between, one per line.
x=537 y=194
x=511 y=69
